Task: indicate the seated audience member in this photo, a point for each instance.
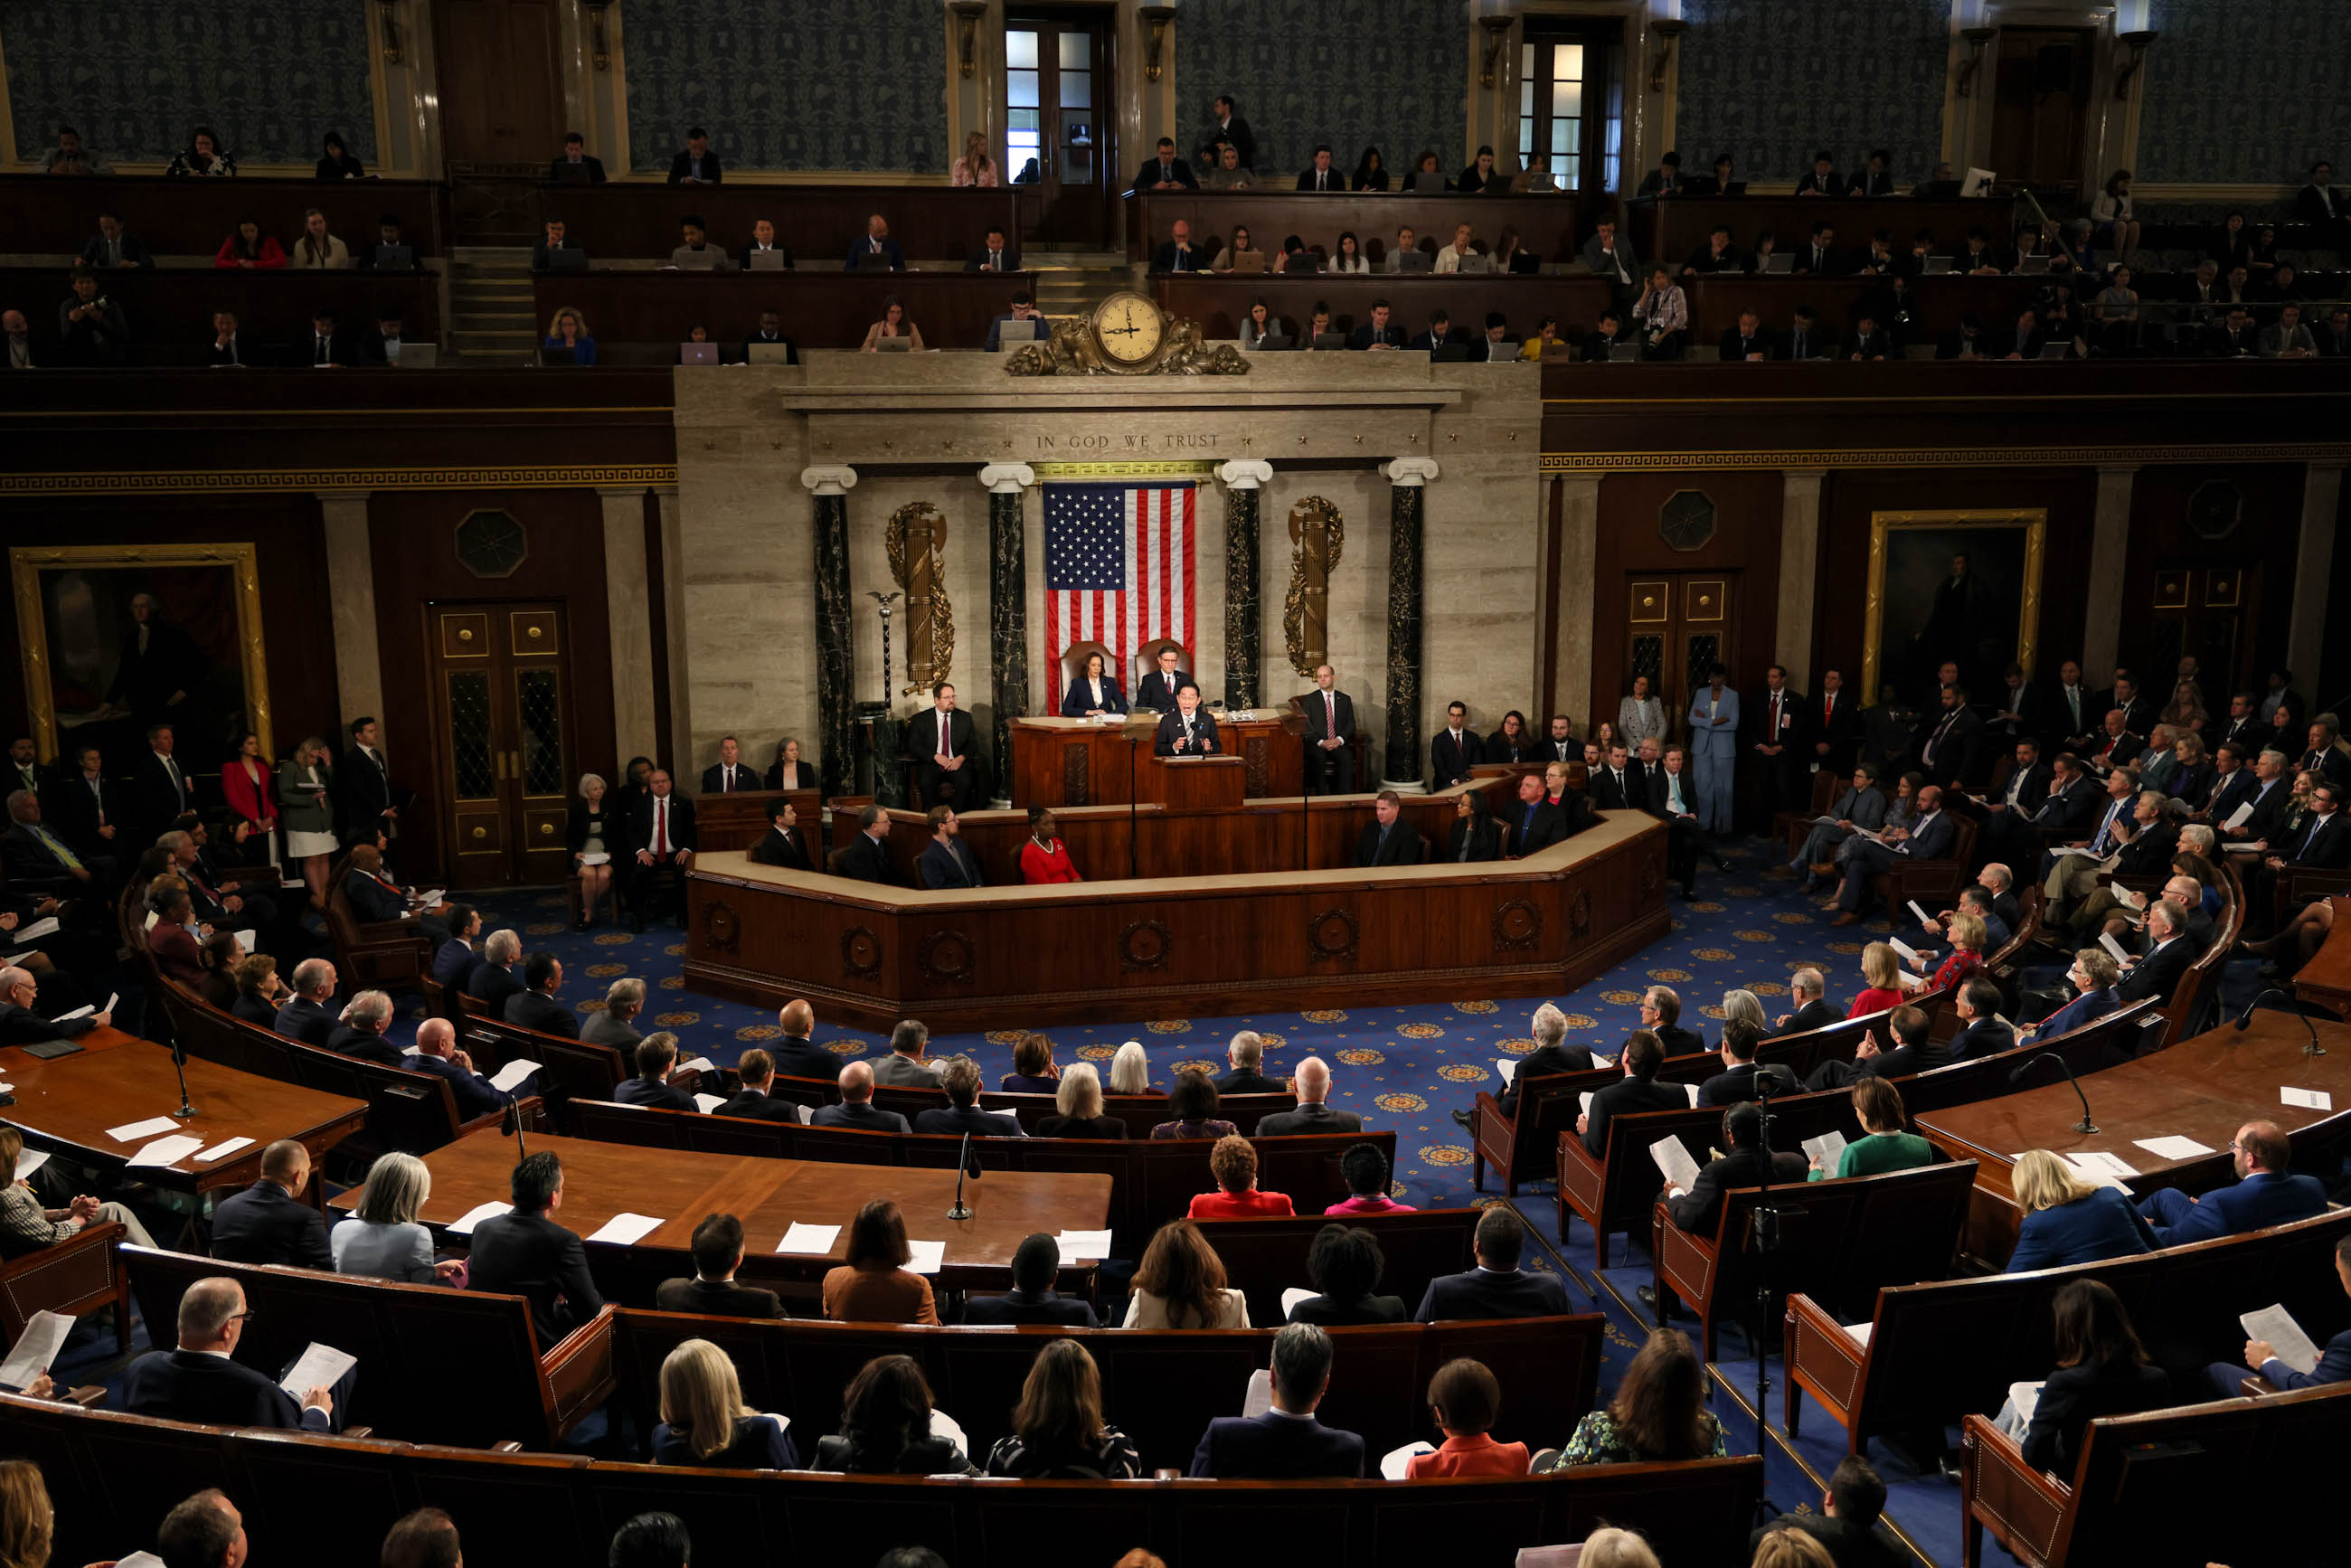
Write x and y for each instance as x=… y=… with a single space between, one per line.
x=2266 y=1194
x=877 y=251
x=1180 y=1284
x=92 y=323
x=1130 y=1069
x=169 y=941
x=1551 y=1055
x=873 y=1284
x=1229 y=173
x=317 y=250
x=1023 y=308
x=2093 y=974
x=1847 y=1527
x=1742 y=1165
x=856 y=1108
x=1736 y=1081
x=718 y=1248
x=226 y=351
x=1286 y=1443
x=614 y=1024
x=1366 y=1173
x=1246 y=1053
x=2334 y=1361
x=380 y=255
x=1379 y=330
x=763 y=242
x=382 y=1238
x=1233 y=1161
x=1166 y=172
x=454 y=960
x=2067 y=1220
x=946 y=861
x=1036 y=1264
x=259 y=991
x=1639 y=1091
x=27 y=1227
x=304 y=1015
x=1884 y=1146
x=892 y=323
x=1078 y=1104
x=650 y=1540
x=1600 y=344
x=535 y=1006
x=524 y=1252
x=994 y=255
x=695 y=163
x=755 y=1071
x=656 y=1082
x=72 y=157
x=360 y=1034
x=1968 y=340
x=249 y=248
x=959 y=1076
x=575 y=156
x=1716 y=255
x=542 y=254
x=1194 y=1102
x=267 y=1222
x=112 y=246
x=1983 y=1032
x=1806 y=338
x=1658 y=1414
x=375 y=898
x=491 y=979
x=1497 y=1287
x=704 y=1420
x=905 y=1067
x=1344 y=1265
x=1807 y=988
x=1913 y=1049
x=2102 y=1370
x=694 y=250
x=1311 y=1085
x=1033 y=1072
x=1319 y=175
x=1387 y=840
x=795 y=1052
x=784 y=844
x=1044 y=858
x=201 y=1382
x=1465 y=1398
x=1750 y=342
x=885 y=1425
x=568 y=332
x=1177 y=252
x=1057 y=1432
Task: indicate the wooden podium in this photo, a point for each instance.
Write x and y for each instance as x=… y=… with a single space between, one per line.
x=1191 y=781
x=1081 y=762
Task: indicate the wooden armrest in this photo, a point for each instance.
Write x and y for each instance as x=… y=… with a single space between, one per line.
x=2254 y=1387
x=505 y=1448
x=577 y=1373
x=357 y=1432
x=89 y=1396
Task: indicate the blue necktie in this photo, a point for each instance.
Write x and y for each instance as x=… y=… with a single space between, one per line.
x=1528 y=823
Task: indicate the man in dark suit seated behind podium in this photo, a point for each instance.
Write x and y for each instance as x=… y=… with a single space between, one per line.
x=867 y=858
x=959 y=1076
x=2266 y=1194
x=201 y=1382
x=1535 y=824
x=1157 y=689
x=656 y=1062
x=717 y=1253
x=268 y=1222
x=1286 y=1443
x=1496 y=1288
x=1387 y=840
x=784 y=845
x=1032 y=1298
x=524 y=1252
x=856 y=1108
x=728 y=775
x=535 y=1006
x=946 y=863
x=1186 y=732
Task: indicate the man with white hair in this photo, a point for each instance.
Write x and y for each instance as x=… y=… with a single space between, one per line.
x=492 y=979
x=437 y=1054
x=20 y=1025
x=856 y=1108
x=1551 y=1055
x=1313 y=1114
x=1809 y=989
x=361 y=1033
x=306 y=1017
x=1247 y=1055
x=202 y=1381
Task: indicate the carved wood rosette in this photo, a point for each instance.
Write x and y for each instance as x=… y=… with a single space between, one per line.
x=946 y=957
x=860 y=954
x=1145 y=944
x=1518 y=927
x=722 y=928
x=1331 y=933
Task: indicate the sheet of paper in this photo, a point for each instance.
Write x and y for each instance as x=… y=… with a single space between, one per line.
x=1584 y=1101
x=1528 y=1557
x=2107 y=940
x=1827 y=1150
x=598 y=858
x=245 y=939
x=35 y=932
x=1081 y=1245
x=2173 y=1148
x=132 y=1132
x=1860 y=1333
x=464 y=1224
x=432 y=897
x=1908 y=954
x=706 y=1104
x=805 y=1112
x=2025 y=1398
x=1693 y=1088
x=35 y=1348
x=1673 y=1159
x=2275 y=1326
x=1908 y=981
x=167 y=1151
x=1394 y=1463
x=1292 y=1296
x=2072 y=850
x=1924 y=918
x=814 y=1240
x=699 y=1064
x=512 y=1073
x=2308 y=1099
x=1600 y=1060
x=82 y=1011
x=2094 y=1169
x=945 y=1425
x=286 y=882
x=1509 y=1068
x=411 y=1050
x=1258 y=1397
x=317 y=1367
x=625 y=1227
x=30 y=1160
x=927 y=1256
x=2240 y=817
x=226 y=1146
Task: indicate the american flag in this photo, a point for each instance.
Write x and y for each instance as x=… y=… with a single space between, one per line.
x=1118 y=566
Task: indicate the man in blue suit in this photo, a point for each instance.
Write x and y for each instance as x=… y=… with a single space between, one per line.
x=1928 y=839
x=454 y=960
x=1496 y=1288
x=1714 y=748
x=1286 y=1443
x=2266 y=1194
x=877 y=249
x=437 y=1054
x=945 y=862
x=2334 y=1361
x=268 y=1222
x=959 y=1076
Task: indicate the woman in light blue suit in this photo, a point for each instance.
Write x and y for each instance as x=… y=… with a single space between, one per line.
x=1092 y=693
x=1714 y=748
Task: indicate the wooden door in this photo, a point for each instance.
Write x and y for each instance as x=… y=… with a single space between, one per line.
x=502 y=713
x=1061 y=109
x=1678 y=623
x=2201 y=610
x=2041 y=100
x=501 y=96
x=1571 y=105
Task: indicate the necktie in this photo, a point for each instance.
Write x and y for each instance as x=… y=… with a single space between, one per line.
x=66 y=857
x=1526 y=825
x=322 y=350
x=179 y=790
x=1382 y=847
x=1329 y=717
x=1828 y=710
x=1775 y=715
x=2311 y=837
x=661 y=827
x=727 y=781
x=947 y=737
x=2106 y=828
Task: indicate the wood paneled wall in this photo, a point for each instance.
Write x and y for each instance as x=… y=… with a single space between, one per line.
x=2261 y=547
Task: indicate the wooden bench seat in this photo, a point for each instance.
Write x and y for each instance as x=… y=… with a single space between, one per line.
x=1263 y=1257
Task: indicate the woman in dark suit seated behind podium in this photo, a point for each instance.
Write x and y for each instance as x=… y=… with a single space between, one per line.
x=704 y=1420
x=1476 y=835
x=1078 y=1098
x=1092 y=693
x=1346 y=1265
x=885 y=1425
x=788 y=772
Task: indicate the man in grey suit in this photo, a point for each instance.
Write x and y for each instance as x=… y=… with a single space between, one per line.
x=1861 y=804
x=905 y=1066
x=615 y=1026
x=1312 y=1086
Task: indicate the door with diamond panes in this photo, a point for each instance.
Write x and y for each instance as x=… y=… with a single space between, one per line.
x=1678 y=623
x=502 y=716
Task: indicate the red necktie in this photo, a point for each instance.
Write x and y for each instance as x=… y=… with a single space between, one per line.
x=1775 y=715
x=1828 y=710
x=1329 y=717
x=661 y=827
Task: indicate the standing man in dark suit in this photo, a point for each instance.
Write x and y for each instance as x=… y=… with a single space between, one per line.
x=161 y=790
x=783 y=845
x=1157 y=689
x=1833 y=724
x=1535 y=824
x=1639 y=1091
x=363 y=788
x=718 y=1252
x=1388 y=841
x=728 y=775
x=660 y=831
x=524 y=1252
x=695 y=163
x=757 y=1073
x=1614 y=786
x=1743 y=1166
x=535 y=1006
x=1496 y=1288
x=84 y=808
x=1286 y=1443
x=1232 y=128
x=306 y=1017
x=948 y=770
x=267 y=1222
x=200 y=1380
x=1455 y=750
x=1777 y=744
x=1946 y=747
x=867 y=858
x=575 y=155
x=946 y=863
x=25 y=770
x=1188 y=731
x=856 y=1107
x=1166 y=172
x=1330 y=736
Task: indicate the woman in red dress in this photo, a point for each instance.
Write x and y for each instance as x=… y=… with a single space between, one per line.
x=1044 y=858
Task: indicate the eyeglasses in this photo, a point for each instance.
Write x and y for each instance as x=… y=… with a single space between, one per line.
x=245 y=1316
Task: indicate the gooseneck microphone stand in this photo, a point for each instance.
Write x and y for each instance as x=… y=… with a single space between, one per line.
x=963 y=1168
x=1764 y=1241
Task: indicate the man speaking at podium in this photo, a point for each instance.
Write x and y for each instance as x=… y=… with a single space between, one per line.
x=1186 y=732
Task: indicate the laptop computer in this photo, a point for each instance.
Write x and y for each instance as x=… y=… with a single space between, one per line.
x=707 y=259
x=395 y=257
x=1978 y=183
x=869 y=262
x=1014 y=332
x=1277 y=340
x=1736 y=188
x=2036 y=263
x=894 y=345
x=1700 y=185
x=767 y=261
x=697 y=353
x=1417 y=261
x=569 y=174
x=418 y=356
x=1449 y=354
x=1779 y=262
x=1939 y=190
x=1623 y=352
x=2056 y=351
x=1329 y=339
x=1474 y=263
x=1248 y=261
x=1939 y=266
x=558 y=356
x=569 y=259
x=768 y=353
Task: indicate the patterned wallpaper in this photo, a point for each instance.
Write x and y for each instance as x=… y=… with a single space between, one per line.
x=790 y=83
x=2245 y=91
x=1771 y=83
x=1391 y=74
x=273 y=76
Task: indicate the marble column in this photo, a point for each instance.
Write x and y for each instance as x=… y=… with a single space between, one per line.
x=836 y=699
x=1008 y=613
x=350 y=601
x=1406 y=477
x=2102 y=634
x=1579 y=556
x=1244 y=663
x=1800 y=570
x=2313 y=569
x=631 y=608
x=680 y=738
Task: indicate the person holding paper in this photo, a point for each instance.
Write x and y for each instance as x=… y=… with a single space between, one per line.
x=886 y=1426
x=704 y=1420
x=1465 y=1398
x=1344 y=1264
x=267 y=1222
x=524 y=1252
x=25 y=1225
x=1859 y=806
x=1913 y=1050
x=1497 y=1287
x=1058 y=1430
x=2266 y=1194
x=1233 y=1161
x=590 y=830
x=21 y=1025
x=1743 y=1132
x=658 y=1074
x=1931 y=838
x=2158 y=976
x=437 y=1054
x=2331 y=1365
x=1884 y=1146
x=382 y=1238
x=1552 y=1055
x=1036 y=1264
x=1638 y=1092
x=2102 y=1370
x=201 y=1382
x=873 y=1284
x=2067 y=1220
x=856 y=1106
x=1286 y=1443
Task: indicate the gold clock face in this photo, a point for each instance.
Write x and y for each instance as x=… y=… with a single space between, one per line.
x=1129 y=328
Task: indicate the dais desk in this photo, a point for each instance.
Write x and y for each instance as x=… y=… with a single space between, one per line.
x=1084 y=762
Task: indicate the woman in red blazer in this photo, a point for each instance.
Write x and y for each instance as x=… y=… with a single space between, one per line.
x=251 y=785
x=1234 y=1163
x=1044 y=858
x=1883 y=970
x=170 y=941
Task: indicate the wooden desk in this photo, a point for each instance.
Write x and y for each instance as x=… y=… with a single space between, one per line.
x=1669 y=230
x=1546 y=223
x=2325 y=981
x=817 y=223
x=1218 y=303
x=601 y=1180
x=739 y=820
x=170 y=310
x=65 y=1105
x=820 y=309
x=2205 y=1089
x=192 y=217
x=1079 y=762
x=1716 y=299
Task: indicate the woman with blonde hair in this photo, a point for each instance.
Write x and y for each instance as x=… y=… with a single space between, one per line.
x=1077 y=1099
x=975 y=168
x=568 y=330
x=382 y=1238
x=306 y=783
x=1615 y=1548
x=2185 y=713
x=1788 y=1547
x=1130 y=1069
x=27 y=1518
x=2068 y=1220
x=25 y=1226
x=1180 y=1284
x=1967 y=956
x=1883 y=969
x=704 y=1420
x=591 y=832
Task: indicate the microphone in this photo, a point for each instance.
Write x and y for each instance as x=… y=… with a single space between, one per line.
x=510 y=1126
x=965 y=1166
x=2245 y=1018
x=2085 y=1124
x=180 y=1065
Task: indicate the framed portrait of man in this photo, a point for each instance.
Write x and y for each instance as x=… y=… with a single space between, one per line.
x=1951 y=588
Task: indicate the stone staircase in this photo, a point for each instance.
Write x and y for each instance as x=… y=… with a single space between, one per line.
x=1070 y=282
x=490 y=311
